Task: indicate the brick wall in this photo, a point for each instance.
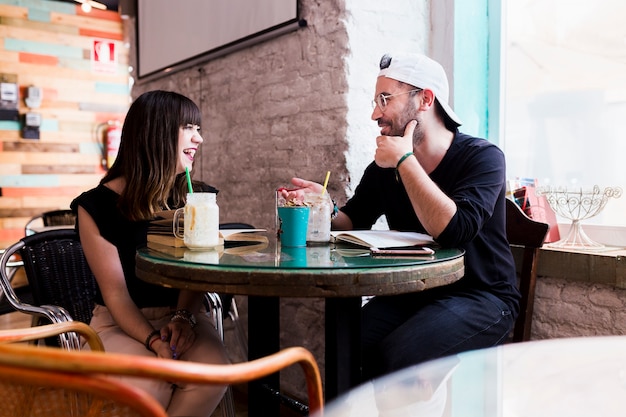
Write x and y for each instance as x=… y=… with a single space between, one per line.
x=578 y=293
x=564 y=308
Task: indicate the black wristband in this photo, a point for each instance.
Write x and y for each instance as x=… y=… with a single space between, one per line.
x=150 y=337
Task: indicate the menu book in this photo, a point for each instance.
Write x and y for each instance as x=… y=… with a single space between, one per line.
x=165 y=236
x=227 y=235
x=382 y=238
x=243 y=248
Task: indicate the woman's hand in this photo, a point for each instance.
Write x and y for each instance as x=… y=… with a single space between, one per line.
x=176 y=338
x=181 y=336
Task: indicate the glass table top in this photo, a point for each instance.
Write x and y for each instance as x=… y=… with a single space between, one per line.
x=567 y=377
x=270 y=254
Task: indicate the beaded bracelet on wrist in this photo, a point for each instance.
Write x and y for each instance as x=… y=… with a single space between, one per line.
x=184 y=315
x=151 y=336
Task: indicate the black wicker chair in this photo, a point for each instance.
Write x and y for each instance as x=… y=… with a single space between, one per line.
x=60 y=281
x=63 y=218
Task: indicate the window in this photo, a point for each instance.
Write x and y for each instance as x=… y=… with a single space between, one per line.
x=564 y=95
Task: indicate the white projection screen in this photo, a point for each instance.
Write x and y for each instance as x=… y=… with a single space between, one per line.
x=175 y=34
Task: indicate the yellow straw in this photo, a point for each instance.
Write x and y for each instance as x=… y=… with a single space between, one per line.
x=188 y=180
x=325 y=182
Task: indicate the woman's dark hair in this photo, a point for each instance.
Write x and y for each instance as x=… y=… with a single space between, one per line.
x=148 y=153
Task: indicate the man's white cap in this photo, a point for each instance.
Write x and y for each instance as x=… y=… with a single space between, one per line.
x=421 y=72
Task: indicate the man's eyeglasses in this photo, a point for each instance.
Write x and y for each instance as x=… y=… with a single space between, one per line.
x=381 y=99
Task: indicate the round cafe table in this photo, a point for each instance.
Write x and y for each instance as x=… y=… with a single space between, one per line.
x=265 y=271
x=569 y=377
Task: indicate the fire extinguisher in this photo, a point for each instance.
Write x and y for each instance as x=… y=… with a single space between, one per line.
x=110 y=134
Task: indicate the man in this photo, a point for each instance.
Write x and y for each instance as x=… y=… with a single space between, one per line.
x=429 y=177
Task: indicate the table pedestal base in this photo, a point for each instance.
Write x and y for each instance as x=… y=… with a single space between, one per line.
x=342 y=359
x=343 y=351
x=263 y=340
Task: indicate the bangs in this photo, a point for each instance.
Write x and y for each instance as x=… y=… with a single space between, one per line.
x=190 y=113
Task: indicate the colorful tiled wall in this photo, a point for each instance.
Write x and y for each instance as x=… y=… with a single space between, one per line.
x=54 y=46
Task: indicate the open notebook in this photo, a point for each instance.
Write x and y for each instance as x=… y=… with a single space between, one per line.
x=382 y=238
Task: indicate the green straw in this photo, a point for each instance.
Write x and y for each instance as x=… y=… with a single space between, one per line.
x=188 y=180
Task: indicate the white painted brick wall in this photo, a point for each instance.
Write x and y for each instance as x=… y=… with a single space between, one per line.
x=375 y=28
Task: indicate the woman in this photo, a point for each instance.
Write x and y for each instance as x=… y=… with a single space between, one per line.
x=160 y=137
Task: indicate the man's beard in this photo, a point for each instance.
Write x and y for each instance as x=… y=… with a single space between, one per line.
x=399 y=124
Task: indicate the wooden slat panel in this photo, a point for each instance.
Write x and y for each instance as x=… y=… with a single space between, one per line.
x=80 y=180
x=21 y=211
x=48 y=201
x=88 y=113
x=14 y=222
x=66 y=137
x=10 y=169
x=40 y=191
x=37 y=181
x=67 y=37
x=9 y=135
x=45 y=38
x=9 y=125
x=79 y=68
x=50 y=136
x=75 y=90
x=48 y=158
x=8 y=56
x=10 y=205
x=29 y=24
x=100 y=34
x=48 y=44
x=10 y=236
x=113 y=25
x=38 y=59
x=59 y=169
x=100 y=14
x=36 y=146
x=13 y=11
x=76 y=126
x=44 y=42
x=35 y=72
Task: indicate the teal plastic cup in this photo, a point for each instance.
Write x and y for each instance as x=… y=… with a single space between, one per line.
x=293 y=225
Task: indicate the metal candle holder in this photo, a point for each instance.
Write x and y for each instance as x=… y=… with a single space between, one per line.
x=578 y=204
